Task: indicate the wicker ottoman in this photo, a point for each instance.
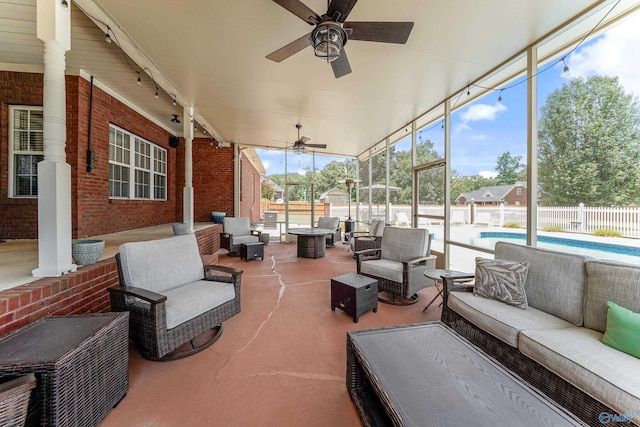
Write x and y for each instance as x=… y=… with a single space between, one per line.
x=80 y=363
x=354 y=294
x=249 y=251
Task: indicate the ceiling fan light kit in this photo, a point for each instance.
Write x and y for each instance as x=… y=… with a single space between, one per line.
x=328 y=40
x=332 y=33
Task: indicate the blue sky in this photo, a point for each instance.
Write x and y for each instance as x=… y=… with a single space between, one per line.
x=485 y=129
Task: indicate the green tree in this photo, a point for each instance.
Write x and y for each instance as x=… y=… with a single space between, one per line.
x=509 y=169
x=466 y=184
x=588 y=148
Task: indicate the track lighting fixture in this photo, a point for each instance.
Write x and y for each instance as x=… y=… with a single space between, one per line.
x=175 y=119
x=139 y=81
x=107 y=38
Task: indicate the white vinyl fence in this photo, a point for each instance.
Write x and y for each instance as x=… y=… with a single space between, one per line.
x=580 y=219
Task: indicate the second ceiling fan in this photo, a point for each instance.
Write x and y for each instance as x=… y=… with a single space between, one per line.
x=332 y=32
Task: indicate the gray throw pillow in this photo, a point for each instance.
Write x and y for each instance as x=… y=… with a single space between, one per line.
x=502 y=280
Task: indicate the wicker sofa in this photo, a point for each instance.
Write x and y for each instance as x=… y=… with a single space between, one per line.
x=555 y=343
x=172 y=297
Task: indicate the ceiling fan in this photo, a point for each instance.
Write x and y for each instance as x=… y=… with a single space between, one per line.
x=300 y=145
x=332 y=32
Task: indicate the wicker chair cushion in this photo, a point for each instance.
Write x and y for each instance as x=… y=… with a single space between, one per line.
x=191 y=300
x=330 y=223
x=610 y=281
x=501 y=320
x=502 y=280
x=556 y=281
x=237 y=226
x=159 y=265
x=578 y=356
x=404 y=244
x=391 y=270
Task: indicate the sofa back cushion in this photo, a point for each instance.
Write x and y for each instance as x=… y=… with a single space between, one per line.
x=158 y=265
x=556 y=281
x=609 y=281
x=237 y=226
x=330 y=223
x=404 y=244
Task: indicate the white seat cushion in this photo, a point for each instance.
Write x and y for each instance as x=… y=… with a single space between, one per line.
x=191 y=300
x=577 y=355
x=501 y=320
x=391 y=270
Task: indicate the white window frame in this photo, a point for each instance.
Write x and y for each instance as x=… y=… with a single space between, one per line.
x=147 y=160
x=12 y=152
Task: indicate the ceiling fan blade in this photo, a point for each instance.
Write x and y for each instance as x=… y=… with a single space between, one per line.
x=385 y=32
x=341 y=65
x=315 y=145
x=304 y=139
x=290 y=49
x=301 y=10
x=343 y=7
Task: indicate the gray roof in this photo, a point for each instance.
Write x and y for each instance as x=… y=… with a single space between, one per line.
x=493 y=193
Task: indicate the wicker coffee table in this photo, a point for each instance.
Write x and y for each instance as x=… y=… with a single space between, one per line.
x=427 y=375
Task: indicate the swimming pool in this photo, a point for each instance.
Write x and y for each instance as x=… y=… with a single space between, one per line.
x=601 y=250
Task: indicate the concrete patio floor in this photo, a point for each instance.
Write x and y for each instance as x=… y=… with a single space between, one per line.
x=280 y=362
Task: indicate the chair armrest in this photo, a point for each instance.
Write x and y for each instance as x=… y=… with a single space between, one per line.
x=231 y=275
x=143 y=294
x=367 y=254
x=419 y=260
x=256 y=233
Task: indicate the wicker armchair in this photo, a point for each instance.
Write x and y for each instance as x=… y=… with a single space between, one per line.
x=331 y=223
x=236 y=231
x=370 y=240
x=399 y=264
x=172 y=298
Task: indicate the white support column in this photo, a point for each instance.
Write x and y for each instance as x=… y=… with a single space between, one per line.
x=54 y=174
x=532 y=147
x=187 y=192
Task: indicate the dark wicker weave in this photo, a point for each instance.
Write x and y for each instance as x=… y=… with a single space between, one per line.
x=354 y=294
x=364 y=242
x=81 y=364
x=148 y=317
x=554 y=387
x=14 y=400
x=413 y=270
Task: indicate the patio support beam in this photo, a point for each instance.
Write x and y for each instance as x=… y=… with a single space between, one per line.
x=187 y=192
x=54 y=173
x=532 y=146
x=447 y=180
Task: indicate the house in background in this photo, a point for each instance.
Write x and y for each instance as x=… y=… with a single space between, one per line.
x=514 y=194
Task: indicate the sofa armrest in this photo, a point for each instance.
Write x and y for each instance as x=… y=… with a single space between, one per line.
x=143 y=294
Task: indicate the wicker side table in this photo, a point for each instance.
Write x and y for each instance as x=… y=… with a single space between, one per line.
x=80 y=363
x=354 y=294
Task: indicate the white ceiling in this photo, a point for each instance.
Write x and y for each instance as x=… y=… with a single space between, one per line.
x=211 y=55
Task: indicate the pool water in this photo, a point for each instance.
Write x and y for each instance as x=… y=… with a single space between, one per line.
x=600 y=250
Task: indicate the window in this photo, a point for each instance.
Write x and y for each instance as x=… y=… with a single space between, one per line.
x=26 y=149
x=519 y=191
x=143 y=174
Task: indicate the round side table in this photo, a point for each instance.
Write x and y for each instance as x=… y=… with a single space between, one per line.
x=436 y=275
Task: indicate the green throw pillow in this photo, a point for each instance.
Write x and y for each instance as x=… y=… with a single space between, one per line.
x=623 y=330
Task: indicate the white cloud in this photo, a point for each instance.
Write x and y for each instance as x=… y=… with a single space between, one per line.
x=616 y=53
x=266 y=164
x=482 y=112
x=488 y=174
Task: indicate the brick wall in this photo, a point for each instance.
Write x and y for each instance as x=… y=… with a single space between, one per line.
x=80 y=292
x=212 y=179
x=19 y=218
x=250 y=200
